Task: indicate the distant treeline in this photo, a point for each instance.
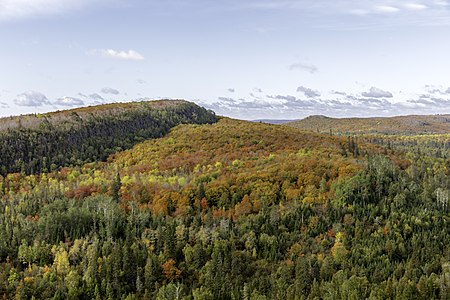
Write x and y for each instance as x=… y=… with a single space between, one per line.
x=80 y=137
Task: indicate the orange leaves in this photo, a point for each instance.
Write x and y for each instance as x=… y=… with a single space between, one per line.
x=182 y=204
x=232 y=157
x=331 y=233
x=243 y=208
x=33 y=219
x=170 y=270
x=159 y=205
x=269 y=164
x=82 y=191
x=348 y=170
x=204 y=204
x=168 y=203
x=386 y=229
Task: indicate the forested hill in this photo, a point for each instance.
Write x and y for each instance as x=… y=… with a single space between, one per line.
x=231 y=210
x=44 y=142
x=406 y=125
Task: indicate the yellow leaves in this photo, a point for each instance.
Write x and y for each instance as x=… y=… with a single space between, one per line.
x=46 y=269
x=237 y=164
x=198 y=168
x=72 y=176
x=347 y=170
x=303 y=152
x=173 y=180
x=61 y=260
x=170 y=141
x=182 y=181
x=267 y=157
x=13 y=276
x=126 y=180
x=149 y=244
x=28 y=279
x=339 y=251
x=339 y=236
x=263 y=191
x=293 y=194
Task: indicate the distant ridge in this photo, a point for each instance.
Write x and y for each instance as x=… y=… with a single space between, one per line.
x=273 y=121
x=42 y=142
x=409 y=125
x=85 y=112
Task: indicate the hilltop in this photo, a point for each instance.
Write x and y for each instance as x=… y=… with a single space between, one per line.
x=42 y=142
x=71 y=117
x=406 y=125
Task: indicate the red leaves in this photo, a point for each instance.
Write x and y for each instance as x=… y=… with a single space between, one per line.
x=82 y=191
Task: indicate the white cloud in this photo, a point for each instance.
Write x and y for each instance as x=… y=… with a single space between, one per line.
x=415 y=6
x=386 y=9
x=69 y=101
x=310 y=93
x=375 y=102
x=375 y=92
x=31 y=98
x=121 y=55
x=366 y=13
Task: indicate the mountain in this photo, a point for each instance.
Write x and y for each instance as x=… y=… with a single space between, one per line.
x=42 y=142
x=231 y=209
x=406 y=125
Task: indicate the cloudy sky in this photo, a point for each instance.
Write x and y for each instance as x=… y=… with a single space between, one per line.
x=249 y=59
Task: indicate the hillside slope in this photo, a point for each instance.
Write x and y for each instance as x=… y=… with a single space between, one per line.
x=35 y=143
x=230 y=210
x=406 y=125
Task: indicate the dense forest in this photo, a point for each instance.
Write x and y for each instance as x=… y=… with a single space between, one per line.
x=232 y=210
x=42 y=143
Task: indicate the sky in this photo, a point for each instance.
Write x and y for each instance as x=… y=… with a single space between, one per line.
x=248 y=59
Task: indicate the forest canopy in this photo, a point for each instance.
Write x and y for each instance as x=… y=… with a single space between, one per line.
x=233 y=210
